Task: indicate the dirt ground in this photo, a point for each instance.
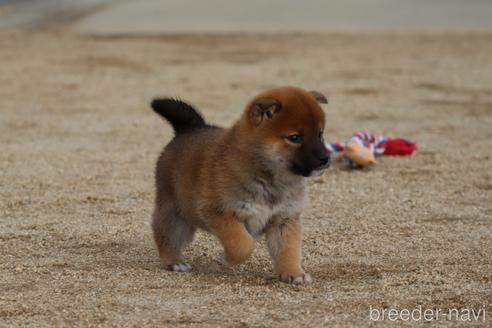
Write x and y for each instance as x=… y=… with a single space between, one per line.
x=79 y=143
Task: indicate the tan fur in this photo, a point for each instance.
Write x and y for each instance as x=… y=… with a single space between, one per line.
x=236 y=184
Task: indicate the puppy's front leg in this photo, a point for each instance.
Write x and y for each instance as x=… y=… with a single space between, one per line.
x=237 y=242
x=284 y=243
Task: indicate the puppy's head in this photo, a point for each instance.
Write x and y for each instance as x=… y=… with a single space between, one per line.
x=287 y=123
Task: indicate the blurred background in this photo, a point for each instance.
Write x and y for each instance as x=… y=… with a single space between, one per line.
x=79 y=143
x=156 y=16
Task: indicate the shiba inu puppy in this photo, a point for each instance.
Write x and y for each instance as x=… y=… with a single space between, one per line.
x=241 y=182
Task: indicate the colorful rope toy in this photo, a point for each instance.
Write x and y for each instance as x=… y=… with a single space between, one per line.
x=363 y=147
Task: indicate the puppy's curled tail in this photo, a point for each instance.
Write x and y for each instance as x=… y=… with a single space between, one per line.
x=182 y=116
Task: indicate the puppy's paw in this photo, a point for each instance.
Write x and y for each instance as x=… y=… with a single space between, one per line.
x=296 y=279
x=179 y=267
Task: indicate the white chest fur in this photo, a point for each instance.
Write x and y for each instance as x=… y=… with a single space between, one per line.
x=256 y=213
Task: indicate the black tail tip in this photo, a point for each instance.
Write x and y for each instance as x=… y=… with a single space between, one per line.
x=158 y=104
x=182 y=116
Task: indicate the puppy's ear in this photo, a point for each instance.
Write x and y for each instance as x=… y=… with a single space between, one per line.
x=264 y=108
x=321 y=98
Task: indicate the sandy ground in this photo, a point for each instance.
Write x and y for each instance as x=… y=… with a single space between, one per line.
x=79 y=142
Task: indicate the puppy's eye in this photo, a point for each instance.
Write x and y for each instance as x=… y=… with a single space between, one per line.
x=295 y=138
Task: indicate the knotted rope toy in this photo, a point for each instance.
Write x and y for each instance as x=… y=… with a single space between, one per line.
x=363 y=147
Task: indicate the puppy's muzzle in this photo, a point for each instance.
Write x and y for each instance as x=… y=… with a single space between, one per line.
x=325 y=163
x=311 y=159
x=325 y=160
x=321 y=153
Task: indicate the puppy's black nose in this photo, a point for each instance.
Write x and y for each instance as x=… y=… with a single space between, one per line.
x=325 y=160
x=321 y=154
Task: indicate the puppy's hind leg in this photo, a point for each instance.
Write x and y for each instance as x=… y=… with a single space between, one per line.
x=171 y=235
